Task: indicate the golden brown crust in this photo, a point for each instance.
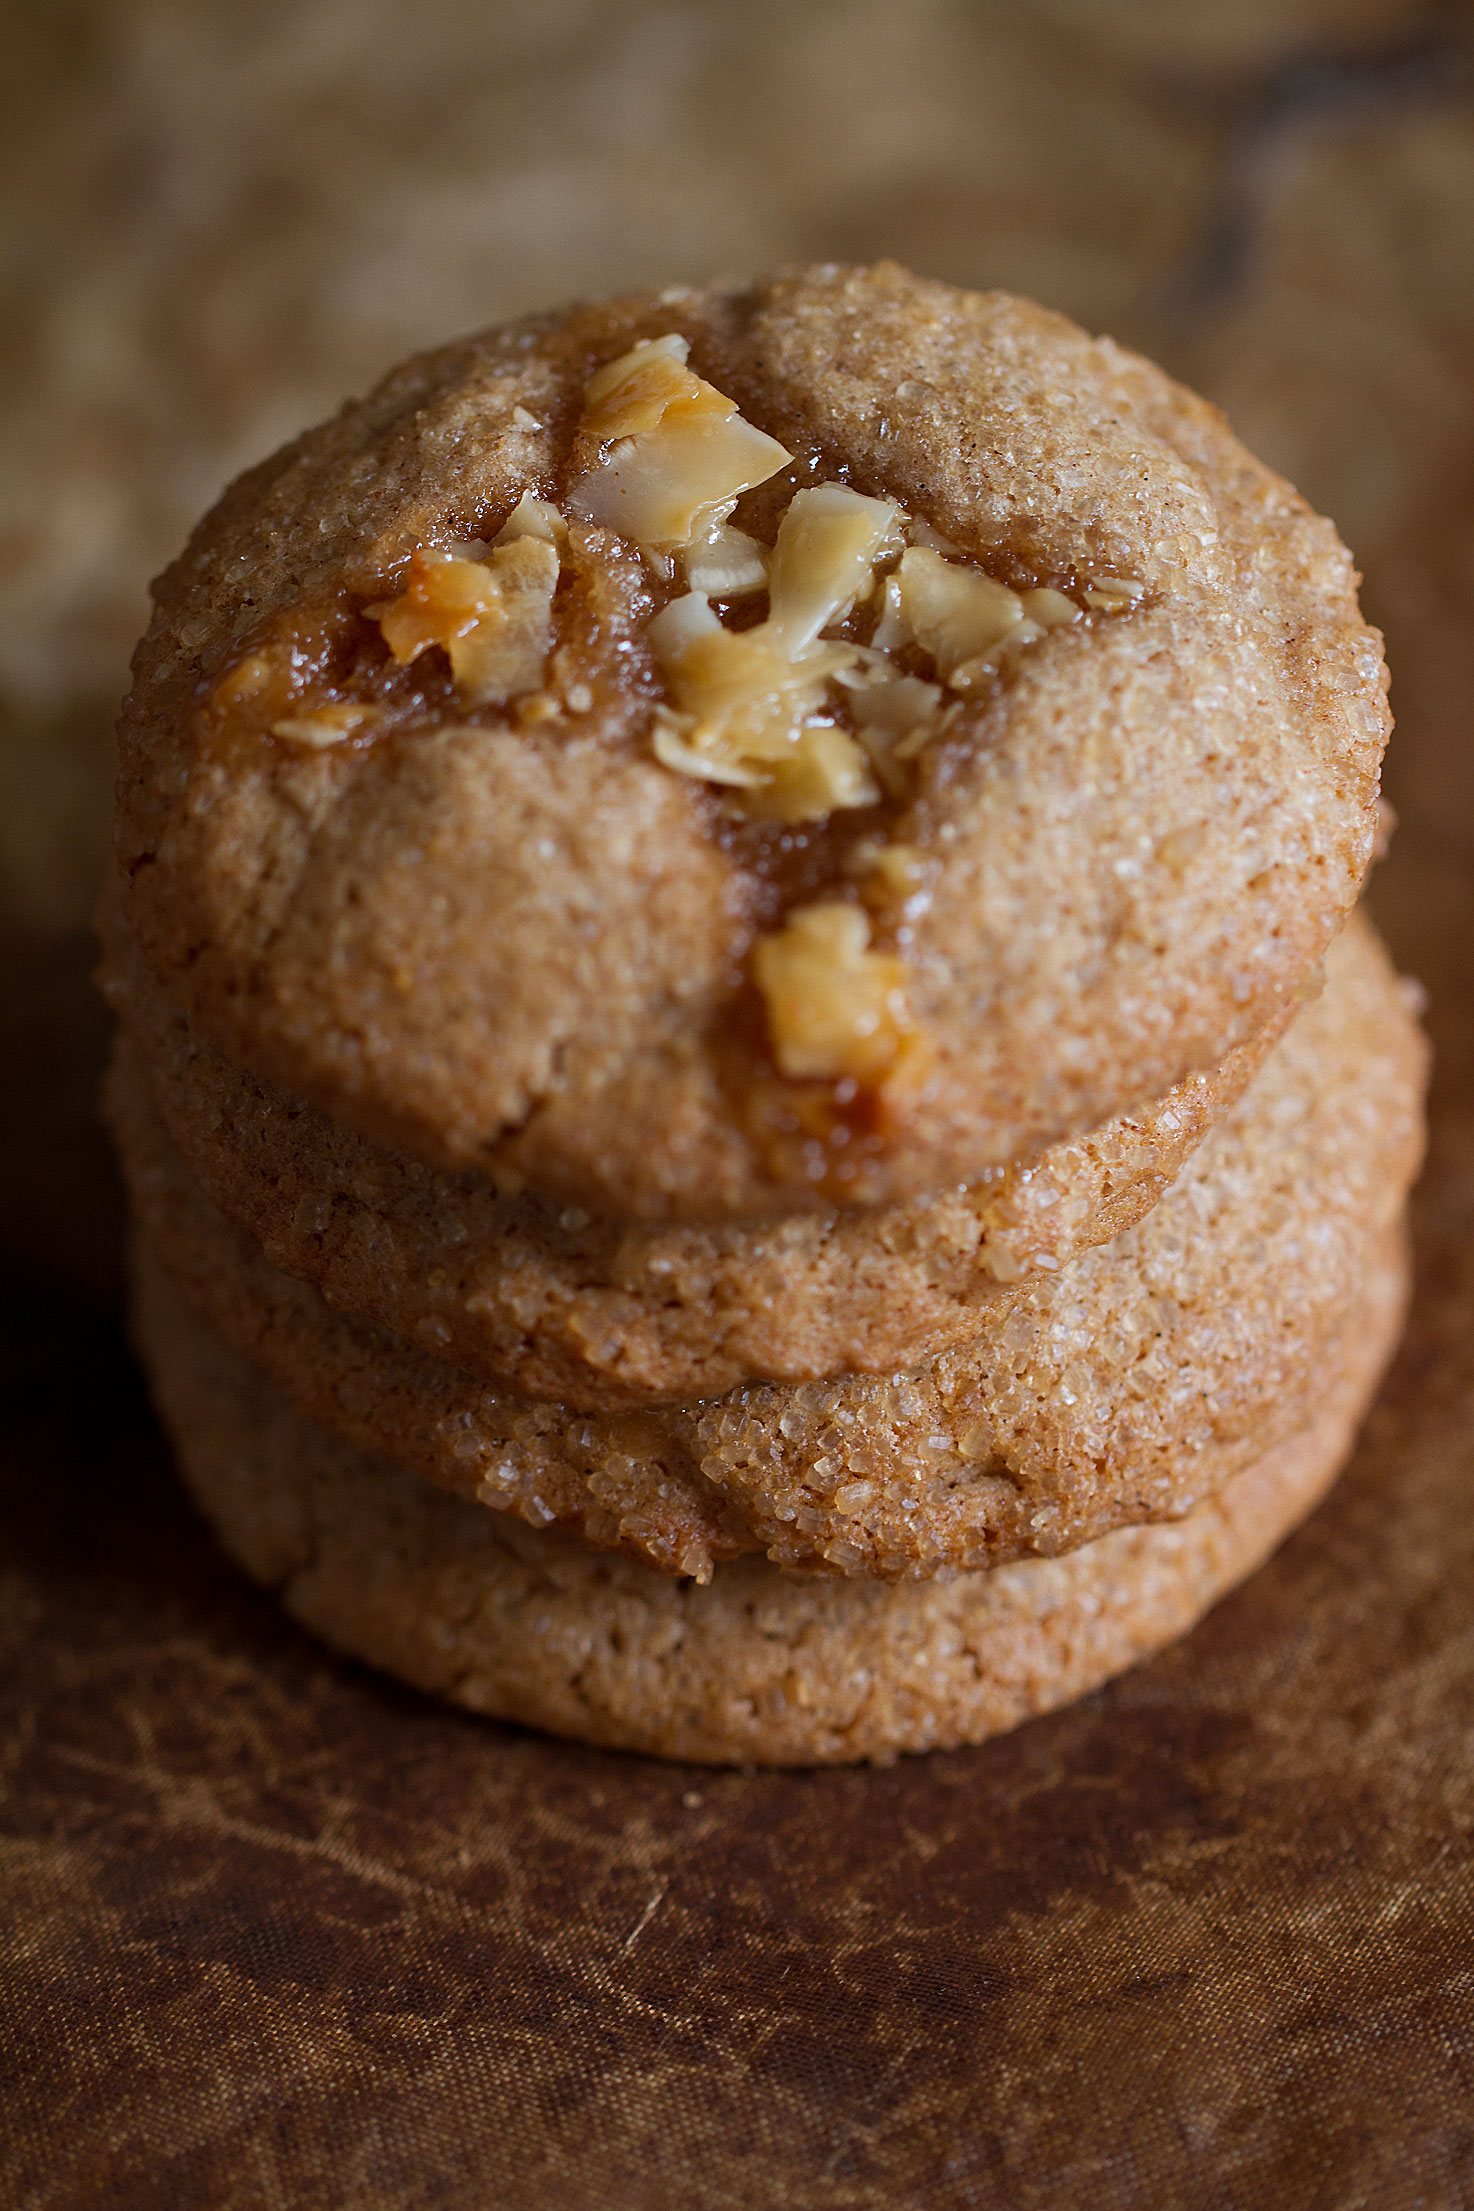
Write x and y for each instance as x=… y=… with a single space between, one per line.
x=758 y=1666
x=1129 y=1388
x=557 y=1303
x=523 y=950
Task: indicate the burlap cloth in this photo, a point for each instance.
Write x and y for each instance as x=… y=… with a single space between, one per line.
x=275 y=1933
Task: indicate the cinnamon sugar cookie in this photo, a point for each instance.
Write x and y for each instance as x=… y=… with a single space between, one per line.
x=555 y=1302
x=759 y=1666
x=1129 y=1388
x=722 y=753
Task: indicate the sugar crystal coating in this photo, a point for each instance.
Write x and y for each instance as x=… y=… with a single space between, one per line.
x=1130 y=1387
x=519 y=1621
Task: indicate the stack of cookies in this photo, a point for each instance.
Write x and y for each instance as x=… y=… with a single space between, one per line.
x=760 y=1125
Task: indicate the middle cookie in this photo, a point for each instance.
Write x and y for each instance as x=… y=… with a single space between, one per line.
x=556 y=1303
x=1127 y=1389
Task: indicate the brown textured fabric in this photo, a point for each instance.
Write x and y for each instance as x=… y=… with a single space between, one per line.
x=274 y=1934
x=281 y=1934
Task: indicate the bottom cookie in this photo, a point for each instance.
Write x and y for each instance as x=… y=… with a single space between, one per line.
x=755 y=1667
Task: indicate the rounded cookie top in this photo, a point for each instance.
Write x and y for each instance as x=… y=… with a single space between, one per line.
x=727 y=752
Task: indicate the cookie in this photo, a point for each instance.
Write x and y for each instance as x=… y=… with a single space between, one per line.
x=463 y=796
x=558 y=1303
x=757 y=1666
x=1130 y=1388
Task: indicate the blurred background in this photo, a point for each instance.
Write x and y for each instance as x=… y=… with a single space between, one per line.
x=222 y=220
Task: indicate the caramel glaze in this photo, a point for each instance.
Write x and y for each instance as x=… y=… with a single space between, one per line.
x=324 y=652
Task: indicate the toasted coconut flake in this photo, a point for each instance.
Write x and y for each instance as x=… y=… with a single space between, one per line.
x=1113 y=594
x=323 y=726
x=245 y=679
x=869 y=668
x=746 y=709
x=504 y=652
x=533 y=517
x=897 y=708
x=630 y=395
x=677 y=623
x=922 y=533
x=493 y=618
x=749 y=699
x=893 y=631
x=749 y=705
x=670 y=741
x=1050 y=608
x=684 y=453
x=726 y=563
x=896 y=719
x=835 y=1009
x=824 y=559
x=890 y=876
x=970 y=673
x=824 y=772
x=958 y=615
x=669 y=486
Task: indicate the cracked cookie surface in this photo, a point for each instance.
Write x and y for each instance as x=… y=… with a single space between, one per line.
x=508 y=937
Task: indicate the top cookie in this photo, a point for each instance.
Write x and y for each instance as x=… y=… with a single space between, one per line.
x=719 y=753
